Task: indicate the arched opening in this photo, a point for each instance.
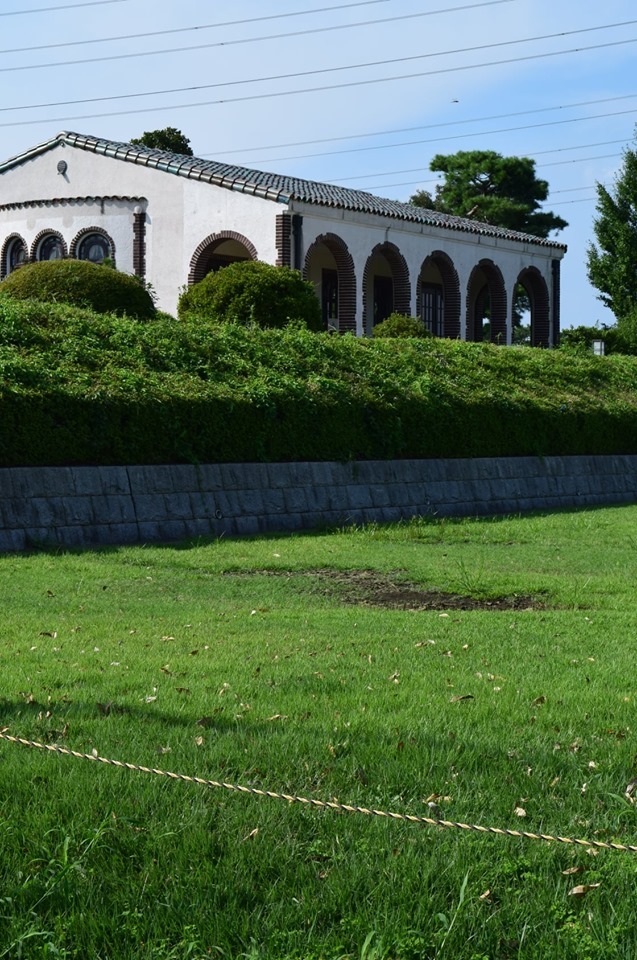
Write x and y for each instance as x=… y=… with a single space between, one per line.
x=48 y=245
x=385 y=286
x=533 y=293
x=93 y=244
x=439 y=296
x=217 y=251
x=486 y=304
x=14 y=254
x=329 y=266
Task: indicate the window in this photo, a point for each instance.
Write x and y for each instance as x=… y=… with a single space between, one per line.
x=16 y=255
x=433 y=308
x=51 y=247
x=94 y=247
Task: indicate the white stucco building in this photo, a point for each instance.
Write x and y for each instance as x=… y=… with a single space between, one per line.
x=171 y=219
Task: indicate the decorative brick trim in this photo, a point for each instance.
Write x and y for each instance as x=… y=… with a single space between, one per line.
x=477 y=292
x=451 y=292
x=85 y=232
x=400 y=276
x=8 y=243
x=139 y=243
x=284 y=240
x=47 y=233
x=346 y=278
x=206 y=248
x=68 y=202
x=537 y=290
x=556 y=267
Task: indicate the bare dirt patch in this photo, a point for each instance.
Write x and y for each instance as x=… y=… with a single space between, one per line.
x=387 y=590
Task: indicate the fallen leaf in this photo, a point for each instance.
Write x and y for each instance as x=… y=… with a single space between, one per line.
x=466 y=696
x=630 y=789
x=443 y=614
x=582 y=889
x=520 y=812
x=48 y=633
x=162 y=750
x=193 y=653
x=251 y=835
x=199 y=741
x=150 y=699
x=278 y=716
x=395 y=677
x=166 y=670
x=486 y=896
x=573 y=870
x=538 y=701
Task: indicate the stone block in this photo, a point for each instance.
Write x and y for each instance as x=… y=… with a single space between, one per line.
x=110 y=508
x=177 y=506
x=11 y=540
x=150 y=480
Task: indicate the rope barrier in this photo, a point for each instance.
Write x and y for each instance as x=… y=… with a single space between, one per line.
x=324 y=804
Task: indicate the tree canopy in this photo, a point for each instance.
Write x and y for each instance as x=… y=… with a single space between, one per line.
x=612 y=265
x=170 y=138
x=486 y=186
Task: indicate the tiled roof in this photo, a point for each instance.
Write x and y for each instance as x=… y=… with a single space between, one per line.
x=274 y=186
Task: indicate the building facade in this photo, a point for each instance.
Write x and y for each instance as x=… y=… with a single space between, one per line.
x=171 y=219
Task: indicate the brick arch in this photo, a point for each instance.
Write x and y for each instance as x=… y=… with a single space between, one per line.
x=84 y=233
x=346 y=278
x=486 y=281
x=535 y=285
x=451 y=291
x=6 y=246
x=47 y=233
x=400 y=276
x=207 y=247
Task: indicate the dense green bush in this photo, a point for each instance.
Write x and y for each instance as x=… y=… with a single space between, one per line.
x=77 y=387
x=252 y=293
x=82 y=284
x=398 y=325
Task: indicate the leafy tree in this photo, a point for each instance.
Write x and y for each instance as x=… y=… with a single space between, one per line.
x=612 y=265
x=170 y=139
x=483 y=185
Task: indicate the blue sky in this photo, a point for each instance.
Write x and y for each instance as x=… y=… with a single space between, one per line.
x=566 y=99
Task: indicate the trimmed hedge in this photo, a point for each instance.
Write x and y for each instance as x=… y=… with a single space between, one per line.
x=83 y=388
x=82 y=284
x=252 y=293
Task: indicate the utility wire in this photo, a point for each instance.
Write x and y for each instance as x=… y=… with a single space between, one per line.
x=385 y=133
x=275 y=36
x=356 y=66
x=338 y=86
x=65 y=6
x=458 y=136
x=396 y=173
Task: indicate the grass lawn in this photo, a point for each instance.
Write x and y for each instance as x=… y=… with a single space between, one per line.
x=330 y=666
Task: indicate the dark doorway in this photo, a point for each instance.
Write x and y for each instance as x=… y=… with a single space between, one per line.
x=383 y=298
x=329 y=298
x=433 y=308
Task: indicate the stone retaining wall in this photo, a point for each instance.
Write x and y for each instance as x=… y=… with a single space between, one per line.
x=83 y=506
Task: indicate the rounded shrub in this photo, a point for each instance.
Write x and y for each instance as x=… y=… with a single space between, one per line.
x=253 y=293
x=81 y=284
x=398 y=325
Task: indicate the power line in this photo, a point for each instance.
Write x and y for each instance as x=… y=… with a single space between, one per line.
x=275 y=36
x=356 y=66
x=459 y=136
x=408 y=183
x=65 y=6
x=339 y=86
x=385 y=133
